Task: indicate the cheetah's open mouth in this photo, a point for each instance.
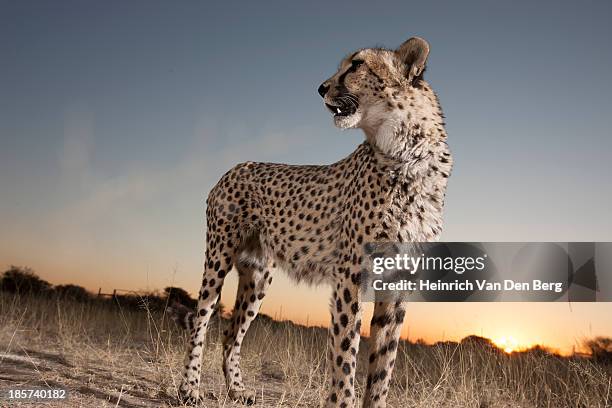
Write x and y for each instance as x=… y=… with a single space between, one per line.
x=343 y=108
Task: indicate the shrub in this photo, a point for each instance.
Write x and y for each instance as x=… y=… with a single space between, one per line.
x=23 y=280
x=72 y=292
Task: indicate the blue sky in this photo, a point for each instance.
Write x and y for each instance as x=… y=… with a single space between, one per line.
x=116 y=118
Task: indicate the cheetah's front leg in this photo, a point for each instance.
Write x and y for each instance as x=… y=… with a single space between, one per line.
x=384 y=336
x=344 y=343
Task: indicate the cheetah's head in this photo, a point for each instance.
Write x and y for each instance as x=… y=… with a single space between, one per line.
x=374 y=81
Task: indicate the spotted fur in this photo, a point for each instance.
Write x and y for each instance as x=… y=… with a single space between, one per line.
x=313 y=221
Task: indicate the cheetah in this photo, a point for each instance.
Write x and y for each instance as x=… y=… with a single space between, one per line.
x=313 y=221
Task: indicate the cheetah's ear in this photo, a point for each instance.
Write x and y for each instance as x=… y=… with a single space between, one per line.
x=414 y=54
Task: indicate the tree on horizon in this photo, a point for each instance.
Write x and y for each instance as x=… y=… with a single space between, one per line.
x=23 y=279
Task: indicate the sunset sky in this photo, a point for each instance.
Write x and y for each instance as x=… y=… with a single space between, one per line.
x=116 y=118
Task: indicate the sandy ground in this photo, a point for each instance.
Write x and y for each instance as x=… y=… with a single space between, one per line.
x=123 y=380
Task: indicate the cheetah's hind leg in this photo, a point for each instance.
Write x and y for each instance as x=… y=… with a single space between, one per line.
x=219 y=261
x=255 y=278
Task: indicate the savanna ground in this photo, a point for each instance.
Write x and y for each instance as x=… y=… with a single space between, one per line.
x=110 y=356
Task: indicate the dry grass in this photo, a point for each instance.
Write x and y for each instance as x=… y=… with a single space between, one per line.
x=107 y=356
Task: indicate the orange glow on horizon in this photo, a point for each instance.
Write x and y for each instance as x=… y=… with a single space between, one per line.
x=509 y=344
x=559 y=328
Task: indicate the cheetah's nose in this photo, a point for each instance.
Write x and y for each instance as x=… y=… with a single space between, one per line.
x=323 y=88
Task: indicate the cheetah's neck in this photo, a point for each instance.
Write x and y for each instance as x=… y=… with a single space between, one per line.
x=402 y=136
x=418 y=163
x=411 y=152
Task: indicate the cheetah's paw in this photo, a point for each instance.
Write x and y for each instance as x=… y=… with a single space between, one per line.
x=243 y=396
x=193 y=397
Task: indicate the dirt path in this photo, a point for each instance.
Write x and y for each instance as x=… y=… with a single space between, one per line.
x=122 y=382
x=88 y=383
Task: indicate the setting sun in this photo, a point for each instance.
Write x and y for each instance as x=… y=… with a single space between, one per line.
x=507 y=344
